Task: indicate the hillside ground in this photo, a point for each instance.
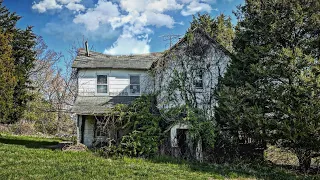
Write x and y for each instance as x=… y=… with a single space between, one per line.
x=25 y=157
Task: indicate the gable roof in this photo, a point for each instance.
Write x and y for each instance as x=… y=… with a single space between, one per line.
x=184 y=39
x=99 y=60
x=88 y=105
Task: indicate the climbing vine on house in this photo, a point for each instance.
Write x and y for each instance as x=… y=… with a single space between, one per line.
x=139 y=125
x=188 y=76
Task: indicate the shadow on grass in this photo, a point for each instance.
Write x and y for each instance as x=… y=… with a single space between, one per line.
x=312 y=171
x=29 y=143
x=259 y=170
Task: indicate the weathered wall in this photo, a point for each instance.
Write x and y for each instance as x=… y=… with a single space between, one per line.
x=118 y=81
x=79 y=124
x=175 y=77
x=176 y=73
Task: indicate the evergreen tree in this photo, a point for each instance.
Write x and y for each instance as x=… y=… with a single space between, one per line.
x=7 y=77
x=271 y=91
x=22 y=44
x=220 y=28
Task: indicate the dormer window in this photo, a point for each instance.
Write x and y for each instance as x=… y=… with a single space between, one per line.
x=134 y=84
x=198 y=80
x=102 y=84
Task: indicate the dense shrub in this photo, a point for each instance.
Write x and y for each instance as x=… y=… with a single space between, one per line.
x=140 y=124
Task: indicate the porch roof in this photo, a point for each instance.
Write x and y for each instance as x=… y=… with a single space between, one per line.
x=89 y=105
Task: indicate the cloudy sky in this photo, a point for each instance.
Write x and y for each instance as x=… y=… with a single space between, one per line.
x=113 y=26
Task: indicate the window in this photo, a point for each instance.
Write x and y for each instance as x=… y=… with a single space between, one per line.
x=135 y=84
x=102 y=84
x=198 y=81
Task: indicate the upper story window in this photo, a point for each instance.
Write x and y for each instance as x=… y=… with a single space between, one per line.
x=134 y=84
x=102 y=84
x=198 y=81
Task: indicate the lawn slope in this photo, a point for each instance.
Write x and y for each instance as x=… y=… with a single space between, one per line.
x=29 y=158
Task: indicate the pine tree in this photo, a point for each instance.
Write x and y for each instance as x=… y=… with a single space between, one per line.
x=271 y=90
x=219 y=27
x=7 y=77
x=23 y=55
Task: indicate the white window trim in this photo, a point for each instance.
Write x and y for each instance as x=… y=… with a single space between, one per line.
x=108 y=82
x=130 y=94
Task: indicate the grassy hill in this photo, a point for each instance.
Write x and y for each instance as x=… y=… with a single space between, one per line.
x=30 y=158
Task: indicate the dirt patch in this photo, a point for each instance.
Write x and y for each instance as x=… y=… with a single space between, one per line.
x=76 y=147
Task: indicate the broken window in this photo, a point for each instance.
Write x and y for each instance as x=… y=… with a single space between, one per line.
x=135 y=85
x=102 y=84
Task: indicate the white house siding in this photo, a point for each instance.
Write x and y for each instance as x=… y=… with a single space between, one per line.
x=118 y=81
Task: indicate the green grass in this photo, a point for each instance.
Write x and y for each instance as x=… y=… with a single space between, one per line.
x=29 y=158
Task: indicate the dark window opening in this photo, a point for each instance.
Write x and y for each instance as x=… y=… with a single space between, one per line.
x=182 y=141
x=198 y=81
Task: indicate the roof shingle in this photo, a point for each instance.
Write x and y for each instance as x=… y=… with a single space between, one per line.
x=88 y=105
x=99 y=60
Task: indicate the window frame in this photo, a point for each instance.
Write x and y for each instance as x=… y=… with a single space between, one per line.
x=201 y=79
x=131 y=94
x=97 y=93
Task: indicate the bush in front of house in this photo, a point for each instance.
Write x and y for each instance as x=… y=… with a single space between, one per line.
x=132 y=130
x=140 y=129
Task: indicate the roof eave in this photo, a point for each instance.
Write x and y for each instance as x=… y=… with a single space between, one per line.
x=101 y=67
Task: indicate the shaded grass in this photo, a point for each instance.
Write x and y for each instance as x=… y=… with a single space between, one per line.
x=20 y=162
x=28 y=141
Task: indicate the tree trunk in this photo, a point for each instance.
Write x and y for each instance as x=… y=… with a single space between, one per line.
x=59 y=120
x=304 y=157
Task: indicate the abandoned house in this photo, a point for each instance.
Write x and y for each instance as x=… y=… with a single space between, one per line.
x=192 y=64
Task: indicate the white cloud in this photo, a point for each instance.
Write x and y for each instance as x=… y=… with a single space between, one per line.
x=149 y=5
x=133 y=5
x=68 y=1
x=45 y=5
x=195 y=7
x=158 y=19
x=129 y=45
x=133 y=18
x=75 y=7
x=163 y=5
x=101 y=14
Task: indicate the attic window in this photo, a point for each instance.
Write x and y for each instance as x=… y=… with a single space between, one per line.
x=198 y=81
x=135 y=84
x=102 y=84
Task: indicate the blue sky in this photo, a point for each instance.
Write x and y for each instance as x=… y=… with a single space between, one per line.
x=113 y=26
